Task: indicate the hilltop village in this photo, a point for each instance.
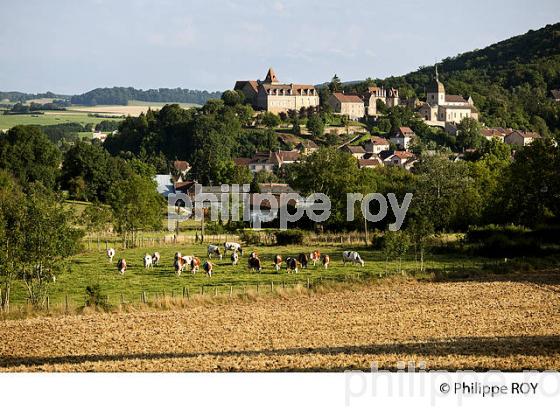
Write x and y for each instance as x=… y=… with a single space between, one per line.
x=276 y=102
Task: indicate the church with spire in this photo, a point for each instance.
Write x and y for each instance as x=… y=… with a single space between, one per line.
x=272 y=95
x=441 y=108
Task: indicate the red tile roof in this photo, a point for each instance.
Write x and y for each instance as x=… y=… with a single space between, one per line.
x=347 y=98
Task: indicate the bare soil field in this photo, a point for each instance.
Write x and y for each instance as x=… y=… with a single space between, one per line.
x=506 y=324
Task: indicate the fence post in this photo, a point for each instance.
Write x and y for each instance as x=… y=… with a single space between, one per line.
x=48 y=302
x=66 y=303
x=202 y=290
x=183 y=292
x=257 y=287
x=230 y=291
x=271 y=286
x=216 y=291
x=308 y=283
x=122 y=299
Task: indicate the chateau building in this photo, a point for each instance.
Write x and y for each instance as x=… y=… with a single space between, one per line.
x=442 y=108
x=390 y=96
x=276 y=97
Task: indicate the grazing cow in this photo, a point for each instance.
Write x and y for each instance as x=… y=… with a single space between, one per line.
x=253 y=255
x=156 y=258
x=181 y=262
x=302 y=259
x=178 y=265
x=110 y=254
x=214 y=250
x=195 y=264
x=234 y=258
x=255 y=264
x=315 y=256
x=232 y=246
x=277 y=262
x=208 y=268
x=326 y=261
x=352 y=256
x=291 y=265
x=148 y=261
x=121 y=266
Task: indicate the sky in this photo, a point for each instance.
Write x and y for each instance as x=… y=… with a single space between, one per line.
x=70 y=47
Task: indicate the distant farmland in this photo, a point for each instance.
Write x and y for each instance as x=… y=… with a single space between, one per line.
x=81 y=114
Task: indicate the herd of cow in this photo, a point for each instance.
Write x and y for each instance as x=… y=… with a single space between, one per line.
x=193 y=264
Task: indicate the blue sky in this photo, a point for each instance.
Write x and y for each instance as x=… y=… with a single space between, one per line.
x=73 y=46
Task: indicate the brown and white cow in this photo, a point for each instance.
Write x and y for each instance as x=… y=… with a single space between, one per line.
x=156 y=258
x=277 y=262
x=255 y=263
x=326 y=260
x=208 y=268
x=195 y=264
x=291 y=265
x=315 y=256
x=121 y=266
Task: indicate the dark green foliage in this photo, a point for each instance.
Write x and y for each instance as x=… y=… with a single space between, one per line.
x=121 y=95
x=289 y=237
x=107 y=125
x=29 y=155
x=96 y=298
x=509 y=81
x=88 y=172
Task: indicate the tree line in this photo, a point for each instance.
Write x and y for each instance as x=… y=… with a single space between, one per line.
x=121 y=96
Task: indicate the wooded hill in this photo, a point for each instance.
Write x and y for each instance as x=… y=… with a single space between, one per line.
x=510 y=81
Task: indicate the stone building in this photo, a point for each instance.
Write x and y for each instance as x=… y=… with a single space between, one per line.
x=347 y=104
x=390 y=96
x=441 y=108
x=276 y=97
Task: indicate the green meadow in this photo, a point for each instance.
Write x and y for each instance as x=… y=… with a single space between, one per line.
x=93 y=267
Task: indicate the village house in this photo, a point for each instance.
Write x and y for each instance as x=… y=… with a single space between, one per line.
x=357 y=151
x=375 y=145
x=276 y=97
x=372 y=162
x=441 y=108
x=347 y=104
x=498 y=133
x=403 y=137
x=521 y=138
x=403 y=159
x=389 y=96
x=268 y=160
x=555 y=94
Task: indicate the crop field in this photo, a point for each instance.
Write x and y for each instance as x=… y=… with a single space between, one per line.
x=134 y=108
x=93 y=267
x=48 y=118
x=507 y=324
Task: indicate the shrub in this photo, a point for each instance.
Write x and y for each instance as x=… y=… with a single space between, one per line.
x=96 y=298
x=250 y=237
x=289 y=237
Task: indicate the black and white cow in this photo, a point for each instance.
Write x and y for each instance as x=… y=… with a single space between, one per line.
x=353 y=257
